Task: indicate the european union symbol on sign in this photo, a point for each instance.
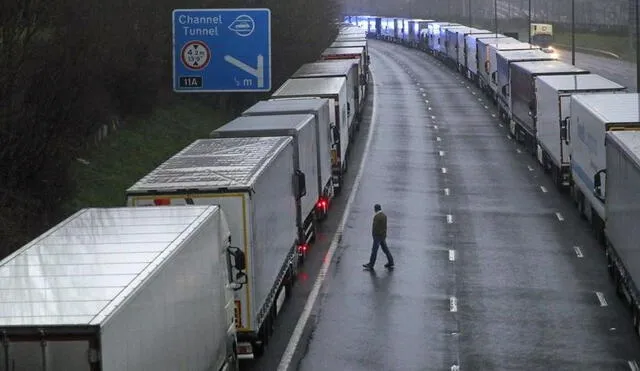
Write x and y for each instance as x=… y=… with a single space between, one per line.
x=221 y=50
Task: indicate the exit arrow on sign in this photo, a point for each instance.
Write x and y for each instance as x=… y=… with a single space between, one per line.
x=258 y=72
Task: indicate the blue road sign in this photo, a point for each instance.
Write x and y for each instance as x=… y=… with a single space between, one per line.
x=221 y=50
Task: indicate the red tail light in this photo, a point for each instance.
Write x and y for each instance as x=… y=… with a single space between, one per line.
x=303 y=248
x=322 y=204
x=162 y=201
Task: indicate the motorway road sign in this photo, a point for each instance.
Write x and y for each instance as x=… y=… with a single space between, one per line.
x=221 y=50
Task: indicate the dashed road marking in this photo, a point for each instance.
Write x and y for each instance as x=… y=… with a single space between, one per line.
x=453 y=304
x=560 y=217
x=447 y=192
x=452 y=255
x=493 y=115
x=633 y=365
x=455 y=368
x=426 y=101
x=578 y=251
x=518 y=150
x=449 y=219
x=435 y=127
x=441 y=153
x=444 y=170
x=502 y=127
x=603 y=301
x=543 y=189
x=529 y=167
x=438 y=139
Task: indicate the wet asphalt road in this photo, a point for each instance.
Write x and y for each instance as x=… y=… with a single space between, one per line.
x=617 y=70
x=494 y=268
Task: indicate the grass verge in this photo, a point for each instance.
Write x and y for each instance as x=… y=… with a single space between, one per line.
x=616 y=44
x=143 y=144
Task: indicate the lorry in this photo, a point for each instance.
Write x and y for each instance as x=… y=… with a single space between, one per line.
x=301 y=129
x=246 y=177
x=487 y=67
x=449 y=35
x=471 y=54
x=335 y=89
x=522 y=76
x=592 y=116
x=622 y=207
x=462 y=47
x=355 y=44
x=415 y=25
x=356 y=83
x=553 y=97
x=353 y=53
x=110 y=289
x=504 y=58
x=320 y=108
x=435 y=33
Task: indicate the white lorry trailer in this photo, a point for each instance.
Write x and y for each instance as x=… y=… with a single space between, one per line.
x=356 y=85
x=522 y=76
x=434 y=34
x=553 y=98
x=301 y=129
x=622 y=206
x=335 y=89
x=504 y=58
x=320 y=108
x=592 y=116
x=246 y=177
x=463 y=48
x=488 y=62
x=122 y=289
x=471 y=42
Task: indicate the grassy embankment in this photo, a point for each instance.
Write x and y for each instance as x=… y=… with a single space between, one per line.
x=615 y=44
x=126 y=156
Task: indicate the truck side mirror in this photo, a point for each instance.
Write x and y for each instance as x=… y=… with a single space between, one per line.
x=236 y=262
x=300 y=184
x=564 y=129
x=597 y=184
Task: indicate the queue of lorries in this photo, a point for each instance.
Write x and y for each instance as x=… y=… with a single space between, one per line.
x=583 y=129
x=196 y=284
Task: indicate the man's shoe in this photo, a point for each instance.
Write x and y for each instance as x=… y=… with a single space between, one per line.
x=390 y=266
x=367 y=266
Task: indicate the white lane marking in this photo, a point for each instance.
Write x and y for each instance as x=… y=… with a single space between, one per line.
x=429 y=108
x=493 y=115
x=474 y=93
x=433 y=117
x=452 y=255
x=502 y=127
x=447 y=192
x=455 y=368
x=518 y=150
x=444 y=170
x=529 y=167
x=294 y=340
x=560 y=217
x=453 y=304
x=435 y=127
x=603 y=301
x=486 y=107
x=424 y=94
x=438 y=139
x=426 y=101
x=633 y=365
x=441 y=153
x=543 y=189
x=578 y=251
x=508 y=137
x=449 y=219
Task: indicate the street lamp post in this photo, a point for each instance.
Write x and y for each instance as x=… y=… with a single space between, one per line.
x=495 y=14
x=573 y=32
x=637 y=11
x=529 y=22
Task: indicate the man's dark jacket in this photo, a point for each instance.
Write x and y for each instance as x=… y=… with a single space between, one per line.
x=379 y=228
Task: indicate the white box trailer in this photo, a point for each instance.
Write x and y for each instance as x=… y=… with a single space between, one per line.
x=462 y=47
x=356 y=84
x=251 y=180
x=592 y=116
x=434 y=33
x=449 y=42
x=488 y=64
x=471 y=42
x=553 y=98
x=352 y=53
x=622 y=206
x=301 y=129
x=335 y=89
x=320 y=108
x=121 y=289
x=504 y=58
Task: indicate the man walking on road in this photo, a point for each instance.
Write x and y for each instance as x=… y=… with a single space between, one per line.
x=379 y=232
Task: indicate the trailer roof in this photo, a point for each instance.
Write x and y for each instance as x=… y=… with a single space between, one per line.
x=341 y=50
x=211 y=164
x=339 y=67
x=579 y=82
x=611 y=108
x=326 y=86
x=524 y=54
x=629 y=141
x=488 y=36
x=347 y=44
x=510 y=44
x=268 y=125
x=287 y=105
x=80 y=271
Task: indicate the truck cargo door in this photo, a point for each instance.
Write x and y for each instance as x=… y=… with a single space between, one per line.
x=45 y=355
